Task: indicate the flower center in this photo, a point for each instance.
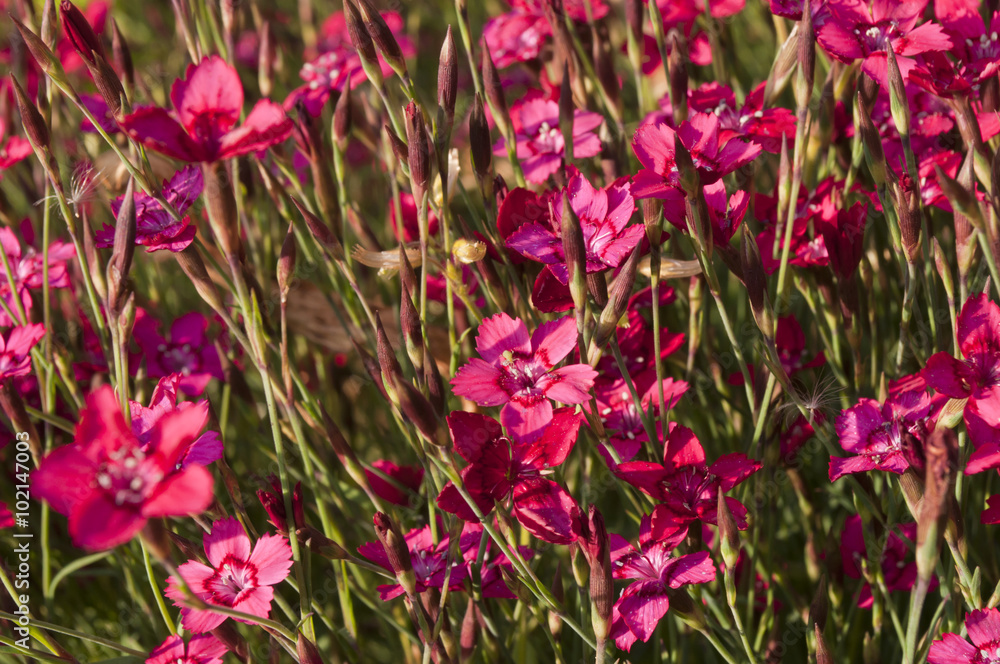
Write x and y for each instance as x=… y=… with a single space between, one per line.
x=126 y=476
x=232 y=581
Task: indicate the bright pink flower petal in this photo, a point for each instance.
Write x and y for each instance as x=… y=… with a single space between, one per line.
x=273 y=557
x=184 y=492
x=157 y=130
x=210 y=96
x=265 y=126
x=97 y=524
x=546 y=511
x=554 y=340
x=570 y=384
x=526 y=421
x=501 y=333
x=479 y=381
x=226 y=539
x=641 y=606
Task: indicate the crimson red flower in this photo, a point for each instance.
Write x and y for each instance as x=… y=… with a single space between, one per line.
x=763 y=126
x=876 y=433
x=501 y=469
x=109 y=485
x=201 y=649
x=432 y=563
x=15 y=350
x=186 y=350
x=207 y=105
x=14 y=150
x=686 y=485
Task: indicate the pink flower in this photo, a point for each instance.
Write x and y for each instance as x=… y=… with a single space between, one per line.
x=156 y=229
x=653 y=145
x=644 y=603
x=207 y=105
x=876 y=434
x=725 y=214
x=540 y=146
x=186 y=350
x=844 y=238
x=501 y=469
x=686 y=485
x=604 y=215
x=109 y=486
x=14 y=150
x=977 y=48
x=27 y=269
x=983 y=627
x=517 y=372
x=977 y=376
x=623 y=421
x=431 y=563
x=520 y=34
x=202 y=649
x=203 y=450
x=854 y=31
x=15 y=350
x=235 y=577
x=899 y=567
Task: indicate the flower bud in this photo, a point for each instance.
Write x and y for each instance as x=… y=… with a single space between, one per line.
x=494 y=92
x=324 y=236
x=943 y=269
x=479 y=140
x=266 y=56
x=387 y=362
x=872 y=142
x=396 y=551
x=690 y=180
x=307 y=651
x=820 y=604
x=43 y=55
x=596 y=548
x=342 y=117
x=909 y=217
x=399 y=148
x=382 y=36
x=122 y=56
x=273 y=503
x=363 y=44
x=372 y=367
x=756 y=283
x=964 y=247
x=470 y=630
x=823 y=654
x=618 y=299
x=962 y=200
x=12 y=404
x=940 y=452
x=418 y=410
x=418 y=156
x=79 y=32
x=447 y=79
x=633 y=18
x=34 y=124
x=435 y=387
x=806 y=57
x=123 y=249
x=412 y=329
x=729 y=538
x=898 y=104
x=574 y=251
x=677 y=76
x=220 y=200
x=110 y=87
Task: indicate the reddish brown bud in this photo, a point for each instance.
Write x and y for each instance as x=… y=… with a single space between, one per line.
x=342 y=114
x=823 y=654
x=382 y=36
x=396 y=551
x=633 y=18
x=756 y=283
x=598 y=552
x=266 y=56
x=324 y=236
x=122 y=55
x=32 y=121
x=436 y=393
x=109 y=86
x=234 y=641
x=43 y=55
x=690 y=180
x=479 y=140
x=729 y=538
x=220 y=200
x=494 y=91
x=447 y=80
x=575 y=252
x=387 y=361
x=677 y=75
x=618 y=299
x=399 y=147
x=909 y=217
x=360 y=37
x=806 y=57
x=940 y=457
x=418 y=410
x=418 y=155
x=872 y=142
x=899 y=106
x=412 y=329
x=79 y=32
x=566 y=110
x=470 y=630
x=123 y=249
x=371 y=367
x=274 y=504
x=307 y=651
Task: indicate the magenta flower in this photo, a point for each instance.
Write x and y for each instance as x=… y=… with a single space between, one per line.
x=186 y=350
x=201 y=649
x=109 y=486
x=725 y=214
x=855 y=31
x=205 y=449
x=235 y=577
x=15 y=350
x=517 y=372
x=405 y=483
x=644 y=603
x=431 y=563
x=983 y=626
x=686 y=485
x=207 y=105
x=338 y=60
x=876 y=434
x=520 y=34
x=604 y=215
x=977 y=376
x=975 y=46
x=156 y=229
x=763 y=126
x=14 y=150
x=653 y=145
x=27 y=268
x=623 y=421
x=501 y=469
x=410 y=220
x=540 y=145
x=899 y=566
